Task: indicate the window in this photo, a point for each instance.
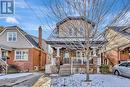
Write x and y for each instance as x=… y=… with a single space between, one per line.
x=70 y=32
x=11 y=36
x=66 y=55
x=83 y=54
x=128 y=65
x=123 y=64
x=91 y=61
x=75 y=32
x=78 y=54
x=81 y=30
x=21 y=55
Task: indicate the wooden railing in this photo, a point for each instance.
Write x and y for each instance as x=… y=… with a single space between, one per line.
x=4 y=65
x=79 y=60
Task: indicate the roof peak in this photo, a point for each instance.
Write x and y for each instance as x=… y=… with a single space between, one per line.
x=74 y=18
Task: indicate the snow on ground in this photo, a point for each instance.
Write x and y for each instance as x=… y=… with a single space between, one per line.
x=98 y=80
x=9 y=76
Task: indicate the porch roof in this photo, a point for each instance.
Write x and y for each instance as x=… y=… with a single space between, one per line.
x=61 y=40
x=5 y=47
x=73 y=44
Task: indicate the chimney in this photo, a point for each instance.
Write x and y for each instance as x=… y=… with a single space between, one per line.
x=40 y=37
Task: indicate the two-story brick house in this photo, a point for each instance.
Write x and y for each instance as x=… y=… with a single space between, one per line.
x=23 y=50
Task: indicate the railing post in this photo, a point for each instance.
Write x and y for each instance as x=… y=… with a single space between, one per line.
x=82 y=60
x=71 y=66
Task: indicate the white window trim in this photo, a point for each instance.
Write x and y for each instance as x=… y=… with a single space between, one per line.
x=77 y=54
x=81 y=54
x=8 y=36
x=66 y=54
x=21 y=59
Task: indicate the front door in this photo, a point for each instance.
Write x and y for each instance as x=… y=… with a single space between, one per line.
x=66 y=59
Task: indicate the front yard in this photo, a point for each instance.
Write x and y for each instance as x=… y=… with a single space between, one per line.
x=98 y=80
x=76 y=80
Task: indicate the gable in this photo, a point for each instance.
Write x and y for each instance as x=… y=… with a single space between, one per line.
x=44 y=44
x=73 y=28
x=21 y=42
x=1 y=29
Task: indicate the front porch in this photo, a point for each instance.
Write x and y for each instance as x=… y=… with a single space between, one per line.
x=4 y=52
x=75 y=60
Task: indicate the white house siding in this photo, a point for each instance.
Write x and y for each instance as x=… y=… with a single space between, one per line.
x=74 y=26
x=20 y=43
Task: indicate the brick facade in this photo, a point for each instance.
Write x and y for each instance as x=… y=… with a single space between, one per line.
x=33 y=60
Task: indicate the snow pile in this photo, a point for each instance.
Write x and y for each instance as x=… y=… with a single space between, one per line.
x=16 y=75
x=98 y=80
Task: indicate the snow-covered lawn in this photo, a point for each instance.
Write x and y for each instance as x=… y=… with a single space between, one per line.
x=98 y=80
x=9 y=76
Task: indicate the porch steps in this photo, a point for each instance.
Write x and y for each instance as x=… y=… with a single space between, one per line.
x=65 y=70
x=3 y=66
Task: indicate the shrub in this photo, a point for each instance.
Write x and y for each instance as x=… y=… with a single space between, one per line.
x=1 y=69
x=104 y=69
x=13 y=69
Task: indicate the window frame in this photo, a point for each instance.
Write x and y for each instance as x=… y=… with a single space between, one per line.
x=12 y=36
x=21 y=55
x=128 y=65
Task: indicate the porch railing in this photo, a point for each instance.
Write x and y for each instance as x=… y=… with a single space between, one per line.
x=3 y=65
x=78 y=60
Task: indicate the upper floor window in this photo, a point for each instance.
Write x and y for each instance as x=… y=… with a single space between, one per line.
x=11 y=36
x=81 y=30
x=70 y=32
x=75 y=31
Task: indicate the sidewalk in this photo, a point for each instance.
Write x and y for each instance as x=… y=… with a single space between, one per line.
x=19 y=80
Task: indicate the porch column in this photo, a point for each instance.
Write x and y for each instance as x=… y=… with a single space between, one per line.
x=58 y=51
x=99 y=61
x=95 y=59
x=94 y=51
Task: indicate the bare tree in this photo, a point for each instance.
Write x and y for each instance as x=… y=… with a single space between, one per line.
x=102 y=13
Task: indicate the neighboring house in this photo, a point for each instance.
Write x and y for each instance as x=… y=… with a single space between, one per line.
x=67 y=42
x=23 y=50
x=117 y=46
x=1 y=28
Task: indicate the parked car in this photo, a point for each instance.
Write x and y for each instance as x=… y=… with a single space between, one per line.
x=122 y=69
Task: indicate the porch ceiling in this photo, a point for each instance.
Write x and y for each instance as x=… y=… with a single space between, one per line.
x=73 y=44
x=5 y=47
x=76 y=42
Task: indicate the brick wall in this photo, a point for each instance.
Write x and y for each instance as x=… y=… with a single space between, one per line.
x=33 y=60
